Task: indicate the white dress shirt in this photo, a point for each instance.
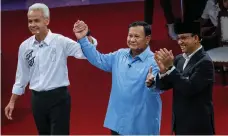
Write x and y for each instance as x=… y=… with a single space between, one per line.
x=211 y=11
x=187 y=59
x=44 y=65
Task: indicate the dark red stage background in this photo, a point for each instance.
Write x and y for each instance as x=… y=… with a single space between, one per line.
x=89 y=87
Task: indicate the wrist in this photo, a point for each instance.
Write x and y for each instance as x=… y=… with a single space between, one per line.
x=12 y=101
x=163 y=71
x=169 y=68
x=88 y=33
x=13 y=98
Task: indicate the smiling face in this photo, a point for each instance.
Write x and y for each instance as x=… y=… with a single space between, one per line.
x=188 y=42
x=37 y=23
x=137 y=41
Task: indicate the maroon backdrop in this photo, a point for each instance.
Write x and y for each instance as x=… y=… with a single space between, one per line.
x=90 y=87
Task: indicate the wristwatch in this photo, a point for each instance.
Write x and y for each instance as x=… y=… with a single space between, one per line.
x=169 y=68
x=88 y=33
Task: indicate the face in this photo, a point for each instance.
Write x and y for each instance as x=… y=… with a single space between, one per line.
x=37 y=23
x=225 y=3
x=187 y=42
x=136 y=39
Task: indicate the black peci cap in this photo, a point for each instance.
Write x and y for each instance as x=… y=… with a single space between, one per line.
x=193 y=27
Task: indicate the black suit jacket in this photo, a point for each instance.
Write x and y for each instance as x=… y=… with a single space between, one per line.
x=192 y=94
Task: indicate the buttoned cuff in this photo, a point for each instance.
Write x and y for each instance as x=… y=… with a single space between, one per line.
x=18 y=90
x=167 y=72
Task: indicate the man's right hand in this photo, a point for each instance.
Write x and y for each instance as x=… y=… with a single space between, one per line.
x=150 y=78
x=160 y=64
x=9 y=110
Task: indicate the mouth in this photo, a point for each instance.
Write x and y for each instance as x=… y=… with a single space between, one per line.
x=34 y=29
x=131 y=44
x=183 y=47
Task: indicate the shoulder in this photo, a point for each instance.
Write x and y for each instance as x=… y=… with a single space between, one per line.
x=57 y=36
x=61 y=40
x=178 y=57
x=26 y=43
x=151 y=59
x=151 y=56
x=123 y=51
x=207 y=58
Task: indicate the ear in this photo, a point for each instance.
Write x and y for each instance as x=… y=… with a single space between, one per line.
x=47 y=20
x=196 y=37
x=148 y=38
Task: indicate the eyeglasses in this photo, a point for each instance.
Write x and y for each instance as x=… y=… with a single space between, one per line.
x=183 y=37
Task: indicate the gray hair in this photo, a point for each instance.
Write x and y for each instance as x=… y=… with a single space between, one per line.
x=42 y=7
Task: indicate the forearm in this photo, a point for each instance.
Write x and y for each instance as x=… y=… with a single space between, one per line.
x=163 y=83
x=191 y=85
x=162 y=80
x=93 y=56
x=14 y=98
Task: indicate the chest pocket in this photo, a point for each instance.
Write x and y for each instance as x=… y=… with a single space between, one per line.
x=188 y=73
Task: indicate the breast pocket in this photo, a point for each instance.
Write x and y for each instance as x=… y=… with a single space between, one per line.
x=187 y=74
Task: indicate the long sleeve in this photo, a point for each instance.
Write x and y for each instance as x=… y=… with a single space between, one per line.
x=155 y=72
x=72 y=48
x=162 y=80
x=202 y=77
x=163 y=83
x=22 y=74
x=102 y=61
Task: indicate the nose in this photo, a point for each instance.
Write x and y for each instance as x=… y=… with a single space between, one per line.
x=31 y=24
x=132 y=39
x=179 y=41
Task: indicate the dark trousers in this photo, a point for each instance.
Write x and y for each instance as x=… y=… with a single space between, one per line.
x=114 y=133
x=193 y=9
x=149 y=10
x=51 y=111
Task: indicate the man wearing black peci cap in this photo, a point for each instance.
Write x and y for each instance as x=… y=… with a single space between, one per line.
x=191 y=76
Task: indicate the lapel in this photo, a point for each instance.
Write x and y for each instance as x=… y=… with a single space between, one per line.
x=195 y=58
x=180 y=64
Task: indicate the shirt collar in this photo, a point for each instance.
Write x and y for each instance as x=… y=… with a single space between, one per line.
x=46 y=40
x=189 y=56
x=142 y=56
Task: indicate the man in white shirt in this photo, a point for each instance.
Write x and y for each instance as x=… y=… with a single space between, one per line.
x=191 y=76
x=42 y=62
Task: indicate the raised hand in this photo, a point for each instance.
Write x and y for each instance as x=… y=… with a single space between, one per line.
x=80 y=29
x=165 y=57
x=160 y=64
x=150 y=78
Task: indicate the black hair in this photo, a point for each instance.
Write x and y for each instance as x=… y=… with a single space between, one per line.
x=147 y=27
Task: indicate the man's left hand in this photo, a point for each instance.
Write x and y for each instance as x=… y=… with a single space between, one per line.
x=150 y=78
x=80 y=29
